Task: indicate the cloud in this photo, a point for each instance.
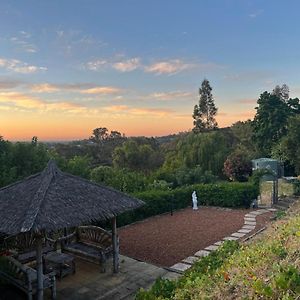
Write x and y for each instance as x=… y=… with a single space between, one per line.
x=168 y=67
x=66 y=106
x=170 y=95
x=76 y=42
x=256 y=13
x=116 y=108
x=44 y=88
x=18 y=66
x=154 y=112
x=7 y=83
x=101 y=90
x=22 y=42
x=127 y=65
x=83 y=88
x=96 y=65
x=151 y=111
x=18 y=100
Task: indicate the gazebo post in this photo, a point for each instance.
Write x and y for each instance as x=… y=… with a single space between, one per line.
x=39 y=262
x=115 y=245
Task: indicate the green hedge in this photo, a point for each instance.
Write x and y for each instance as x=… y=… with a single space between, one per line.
x=222 y=194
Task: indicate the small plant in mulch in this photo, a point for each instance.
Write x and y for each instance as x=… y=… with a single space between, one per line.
x=279 y=214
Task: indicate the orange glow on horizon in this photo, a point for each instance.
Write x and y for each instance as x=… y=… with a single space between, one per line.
x=59 y=127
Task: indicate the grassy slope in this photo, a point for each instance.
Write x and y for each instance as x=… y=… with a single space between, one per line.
x=267 y=268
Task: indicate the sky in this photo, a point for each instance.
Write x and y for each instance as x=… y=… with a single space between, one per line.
x=67 y=67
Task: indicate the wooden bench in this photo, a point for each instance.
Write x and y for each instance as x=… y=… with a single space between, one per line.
x=24 y=247
x=91 y=243
x=24 y=277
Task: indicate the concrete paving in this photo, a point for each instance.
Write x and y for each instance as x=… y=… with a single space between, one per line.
x=88 y=283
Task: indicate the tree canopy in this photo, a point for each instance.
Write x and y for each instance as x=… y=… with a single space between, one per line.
x=205 y=112
x=270 y=121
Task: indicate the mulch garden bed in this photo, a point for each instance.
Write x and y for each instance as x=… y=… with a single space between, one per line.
x=165 y=240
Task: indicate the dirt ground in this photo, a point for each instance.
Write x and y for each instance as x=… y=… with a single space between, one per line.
x=165 y=240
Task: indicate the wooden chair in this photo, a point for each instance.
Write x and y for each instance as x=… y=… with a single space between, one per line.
x=25 y=278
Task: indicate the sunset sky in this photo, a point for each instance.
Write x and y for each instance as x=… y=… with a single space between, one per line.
x=135 y=66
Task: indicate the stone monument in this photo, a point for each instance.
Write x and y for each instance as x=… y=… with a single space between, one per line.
x=195 y=202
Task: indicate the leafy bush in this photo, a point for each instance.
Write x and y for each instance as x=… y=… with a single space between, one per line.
x=19 y=160
x=237 y=167
x=161 y=201
x=79 y=166
x=296 y=184
x=121 y=179
x=185 y=176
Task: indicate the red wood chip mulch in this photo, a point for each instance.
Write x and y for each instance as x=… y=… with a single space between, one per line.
x=165 y=240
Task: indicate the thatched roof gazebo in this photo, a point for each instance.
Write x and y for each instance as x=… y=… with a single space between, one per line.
x=53 y=200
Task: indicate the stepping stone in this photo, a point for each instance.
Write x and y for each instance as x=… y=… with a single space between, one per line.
x=202 y=253
x=180 y=267
x=250 y=223
x=257 y=212
x=250 y=219
x=230 y=238
x=219 y=243
x=272 y=209
x=238 y=235
x=250 y=227
x=190 y=260
x=244 y=231
x=211 y=248
x=263 y=211
x=248 y=216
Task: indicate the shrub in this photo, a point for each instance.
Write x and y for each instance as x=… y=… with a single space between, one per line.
x=296 y=184
x=257 y=175
x=185 y=176
x=121 y=179
x=237 y=167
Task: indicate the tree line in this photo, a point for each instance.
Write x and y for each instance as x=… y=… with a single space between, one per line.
x=206 y=154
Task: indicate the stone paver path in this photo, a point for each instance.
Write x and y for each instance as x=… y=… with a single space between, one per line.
x=249 y=226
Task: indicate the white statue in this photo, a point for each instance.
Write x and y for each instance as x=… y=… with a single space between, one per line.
x=195 y=202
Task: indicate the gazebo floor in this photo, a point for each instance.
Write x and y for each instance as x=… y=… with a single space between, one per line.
x=88 y=283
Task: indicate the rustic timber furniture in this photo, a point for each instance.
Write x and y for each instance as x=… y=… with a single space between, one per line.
x=23 y=247
x=62 y=264
x=90 y=243
x=25 y=278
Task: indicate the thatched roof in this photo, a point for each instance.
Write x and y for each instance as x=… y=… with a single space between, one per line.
x=53 y=199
